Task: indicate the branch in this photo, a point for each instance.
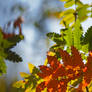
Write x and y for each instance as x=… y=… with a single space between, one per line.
x=87 y=89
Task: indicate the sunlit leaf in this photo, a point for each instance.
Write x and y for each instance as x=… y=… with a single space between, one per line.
x=24 y=75
x=31 y=67
x=69 y=3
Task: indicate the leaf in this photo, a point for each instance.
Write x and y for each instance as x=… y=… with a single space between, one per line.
x=12 y=56
x=87 y=38
x=19 y=84
x=2 y=66
x=77 y=33
x=56 y=38
x=66 y=12
x=30 y=88
x=87 y=73
x=69 y=37
x=31 y=67
x=46 y=62
x=50 y=75
x=68 y=19
x=74 y=60
x=83 y=12
x=85 y=48
x=69 y=3
x=24 y=75
x=79 y=3
x=14 y=40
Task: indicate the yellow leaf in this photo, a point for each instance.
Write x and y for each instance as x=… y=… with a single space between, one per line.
x=19 y=84
x=50 y=53
x=66 y=12
x=46 y=61
x=30 y=88
x=31 y=67
x=69 y=3
x=24 y=75
x=68 y=19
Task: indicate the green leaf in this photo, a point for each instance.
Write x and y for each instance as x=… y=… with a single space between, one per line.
x=69 y=3
x=12 y=56
x=66 y=12
x=14 y=40
x=88 y=38
x=79 y=3
x=2 y=66
x=69 y=37
x=56 y=38
x=85 y=48
x=77 y=33
x=83 y=12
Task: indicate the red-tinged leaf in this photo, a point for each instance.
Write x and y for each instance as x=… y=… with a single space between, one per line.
x=85 y=69
x=51 y=74
x=42 y=75
x=53 y=84
x=89 y=63
x=90 y=53
x=66 y=58
x=60 y=71
x=88 y=73
x=54 y=63
x=63 y=85
x=45 y=69
x=40 y=87
x=76 y=58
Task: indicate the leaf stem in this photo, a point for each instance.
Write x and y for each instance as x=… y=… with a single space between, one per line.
x=87 y=89
x=75 y=14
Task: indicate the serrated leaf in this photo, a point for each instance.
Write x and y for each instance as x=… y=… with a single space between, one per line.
x=53 y=35
x=56 y=38
x=14 y=40
x=12 y=56
x=88 y=38
x=77 y=33
x=85 y=48
x=69 y=37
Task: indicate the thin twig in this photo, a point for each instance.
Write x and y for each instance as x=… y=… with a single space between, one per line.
x=87 y=89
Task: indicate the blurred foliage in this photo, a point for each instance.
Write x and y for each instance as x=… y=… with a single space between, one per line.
x=64 y=69
x=7 y=42
x=70 y=15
